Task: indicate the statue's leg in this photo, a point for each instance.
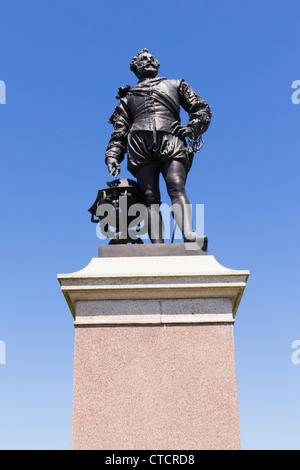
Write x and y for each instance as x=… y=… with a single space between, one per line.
x=174 y=174
x=148 y=180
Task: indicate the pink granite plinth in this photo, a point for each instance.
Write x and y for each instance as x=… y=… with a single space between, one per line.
x=155 y=387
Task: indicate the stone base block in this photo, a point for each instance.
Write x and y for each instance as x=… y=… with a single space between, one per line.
x=155 y=387
x=154 y=352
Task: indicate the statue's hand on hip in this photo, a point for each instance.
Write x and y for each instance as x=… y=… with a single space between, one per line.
x=181 y=131
x=113 y=166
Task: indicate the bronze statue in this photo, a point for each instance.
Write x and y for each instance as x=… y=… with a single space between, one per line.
x=147 y=127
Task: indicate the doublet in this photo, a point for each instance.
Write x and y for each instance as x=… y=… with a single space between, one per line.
x=152 y=106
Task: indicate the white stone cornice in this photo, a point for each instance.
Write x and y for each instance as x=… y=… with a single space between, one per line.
x=196 y=280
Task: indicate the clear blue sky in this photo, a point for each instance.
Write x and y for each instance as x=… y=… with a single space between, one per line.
x=62 y=62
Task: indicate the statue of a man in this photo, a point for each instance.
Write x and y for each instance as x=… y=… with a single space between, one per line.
x=147 y=127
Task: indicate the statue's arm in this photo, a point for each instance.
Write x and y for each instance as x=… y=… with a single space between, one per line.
x=116 y=149
x=198 y=110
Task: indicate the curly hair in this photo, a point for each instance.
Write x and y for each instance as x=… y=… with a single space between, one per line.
x=134 y=60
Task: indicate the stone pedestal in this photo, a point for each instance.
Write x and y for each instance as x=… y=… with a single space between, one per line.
x=154 y=364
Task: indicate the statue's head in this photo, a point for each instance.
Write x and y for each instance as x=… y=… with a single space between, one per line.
x=144 y=65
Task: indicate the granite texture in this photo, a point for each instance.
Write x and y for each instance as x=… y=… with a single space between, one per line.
x=155 y=387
